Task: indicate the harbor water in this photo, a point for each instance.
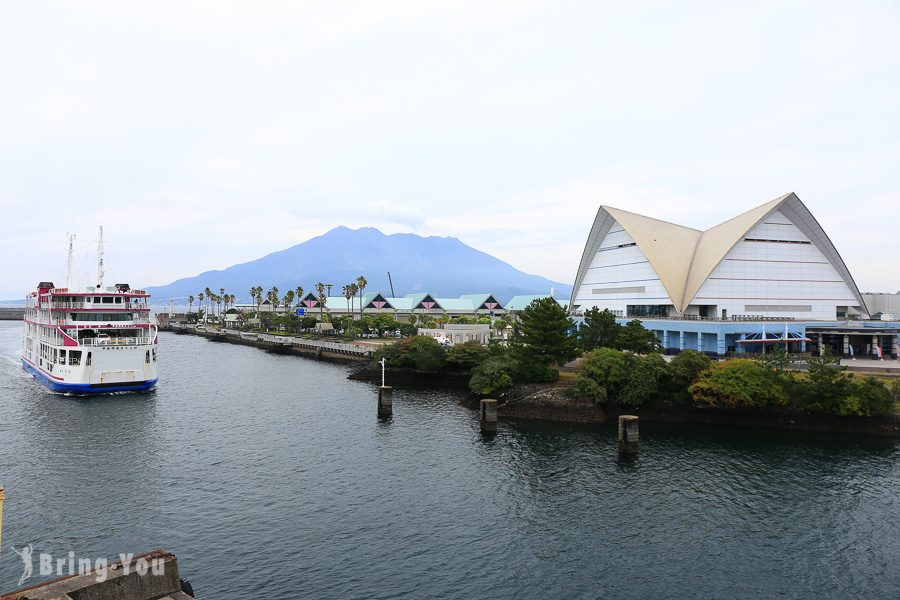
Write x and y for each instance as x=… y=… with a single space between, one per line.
x=269 y=476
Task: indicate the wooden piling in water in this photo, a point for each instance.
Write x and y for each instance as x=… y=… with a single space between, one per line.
x=629 y=437
x=488 y=411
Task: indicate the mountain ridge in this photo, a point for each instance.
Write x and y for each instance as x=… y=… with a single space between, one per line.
x=443 y=266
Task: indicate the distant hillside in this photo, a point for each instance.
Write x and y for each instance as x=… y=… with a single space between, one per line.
x=442 y=266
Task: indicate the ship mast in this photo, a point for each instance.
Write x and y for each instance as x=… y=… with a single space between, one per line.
x=100 y=261
x=69 y=262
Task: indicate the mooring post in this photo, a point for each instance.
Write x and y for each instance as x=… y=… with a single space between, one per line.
x=385 y=401
x=488 y=410
x=629 y=439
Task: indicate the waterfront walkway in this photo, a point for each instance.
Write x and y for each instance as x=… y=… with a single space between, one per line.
x=279 y=342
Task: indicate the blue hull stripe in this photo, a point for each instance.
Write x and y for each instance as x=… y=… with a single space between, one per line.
x=87 y=388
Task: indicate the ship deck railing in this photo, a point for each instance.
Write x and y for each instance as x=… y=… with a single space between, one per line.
x=116 y=341
x=96 y=305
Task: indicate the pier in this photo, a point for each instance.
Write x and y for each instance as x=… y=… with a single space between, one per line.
x=279 y=343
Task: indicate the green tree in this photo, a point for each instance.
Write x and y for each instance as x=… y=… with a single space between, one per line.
x=361 y=284
x=738 y=383
x=495 y=373
x=288 y=301
x=320 y=289
x=867 y=397
x=644 y=376
x=776 y=360
x=826 y=385
x=599 y=330
x=407 y=329
x=608 y=368
x=636 y=338
x=543 y=340
x=421 y=352
x=190 y=302
x=466 y=356
x=200 y=297
x=585 y=387
x=348 y=293
x=274 y=299
x=681 y=372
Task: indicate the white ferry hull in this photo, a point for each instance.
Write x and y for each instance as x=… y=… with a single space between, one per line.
x=59 y=384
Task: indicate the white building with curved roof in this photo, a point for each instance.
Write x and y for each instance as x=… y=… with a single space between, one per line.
x=772 y=262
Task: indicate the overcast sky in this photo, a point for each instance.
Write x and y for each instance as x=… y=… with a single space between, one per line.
x=203 y=134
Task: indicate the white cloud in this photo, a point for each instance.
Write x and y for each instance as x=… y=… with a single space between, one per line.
x=206 y=134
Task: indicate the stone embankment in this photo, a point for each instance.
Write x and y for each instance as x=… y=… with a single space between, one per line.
x=547 y=403
x=401 y=376
x=312 y=348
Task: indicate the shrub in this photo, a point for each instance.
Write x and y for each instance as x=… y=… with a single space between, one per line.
x=826 y=385
x=586 y=387
x=626 y=378
x=608 y=368
x=681 y=372
x=867 y=397
x=738 y=383
x=644 y=376
x=493 y=374
x=421 y=352
x=467 y=356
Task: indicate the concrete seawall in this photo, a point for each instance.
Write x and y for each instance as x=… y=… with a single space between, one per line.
x=321 y=349
x=12 y=314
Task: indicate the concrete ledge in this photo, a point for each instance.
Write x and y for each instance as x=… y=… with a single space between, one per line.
x=123 y=581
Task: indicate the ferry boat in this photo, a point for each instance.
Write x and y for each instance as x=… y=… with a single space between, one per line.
x=99 y=340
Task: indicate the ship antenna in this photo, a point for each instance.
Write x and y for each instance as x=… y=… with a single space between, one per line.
x=69 y=262
x=100 y=261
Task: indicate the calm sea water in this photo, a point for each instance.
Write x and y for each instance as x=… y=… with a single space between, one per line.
x=270 y=476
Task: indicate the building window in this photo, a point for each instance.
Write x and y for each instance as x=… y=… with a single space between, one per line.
x=776 y=241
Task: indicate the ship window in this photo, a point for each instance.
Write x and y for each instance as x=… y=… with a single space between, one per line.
x=154 y=355
x=75 y=357
x=147 y=357
x=88 y=361
x=107 y=299
x=118 y=300
x=62 y=357
x=97 y=299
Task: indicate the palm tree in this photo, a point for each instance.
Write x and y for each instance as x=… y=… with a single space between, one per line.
x=288 y=300
x=361 y=283
x=351 y=287
x=208 y=301
x=256 y=294
x=273 y=298
x=320 y=287
x=190 y=303
x=200 y=297
x=347 y=295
